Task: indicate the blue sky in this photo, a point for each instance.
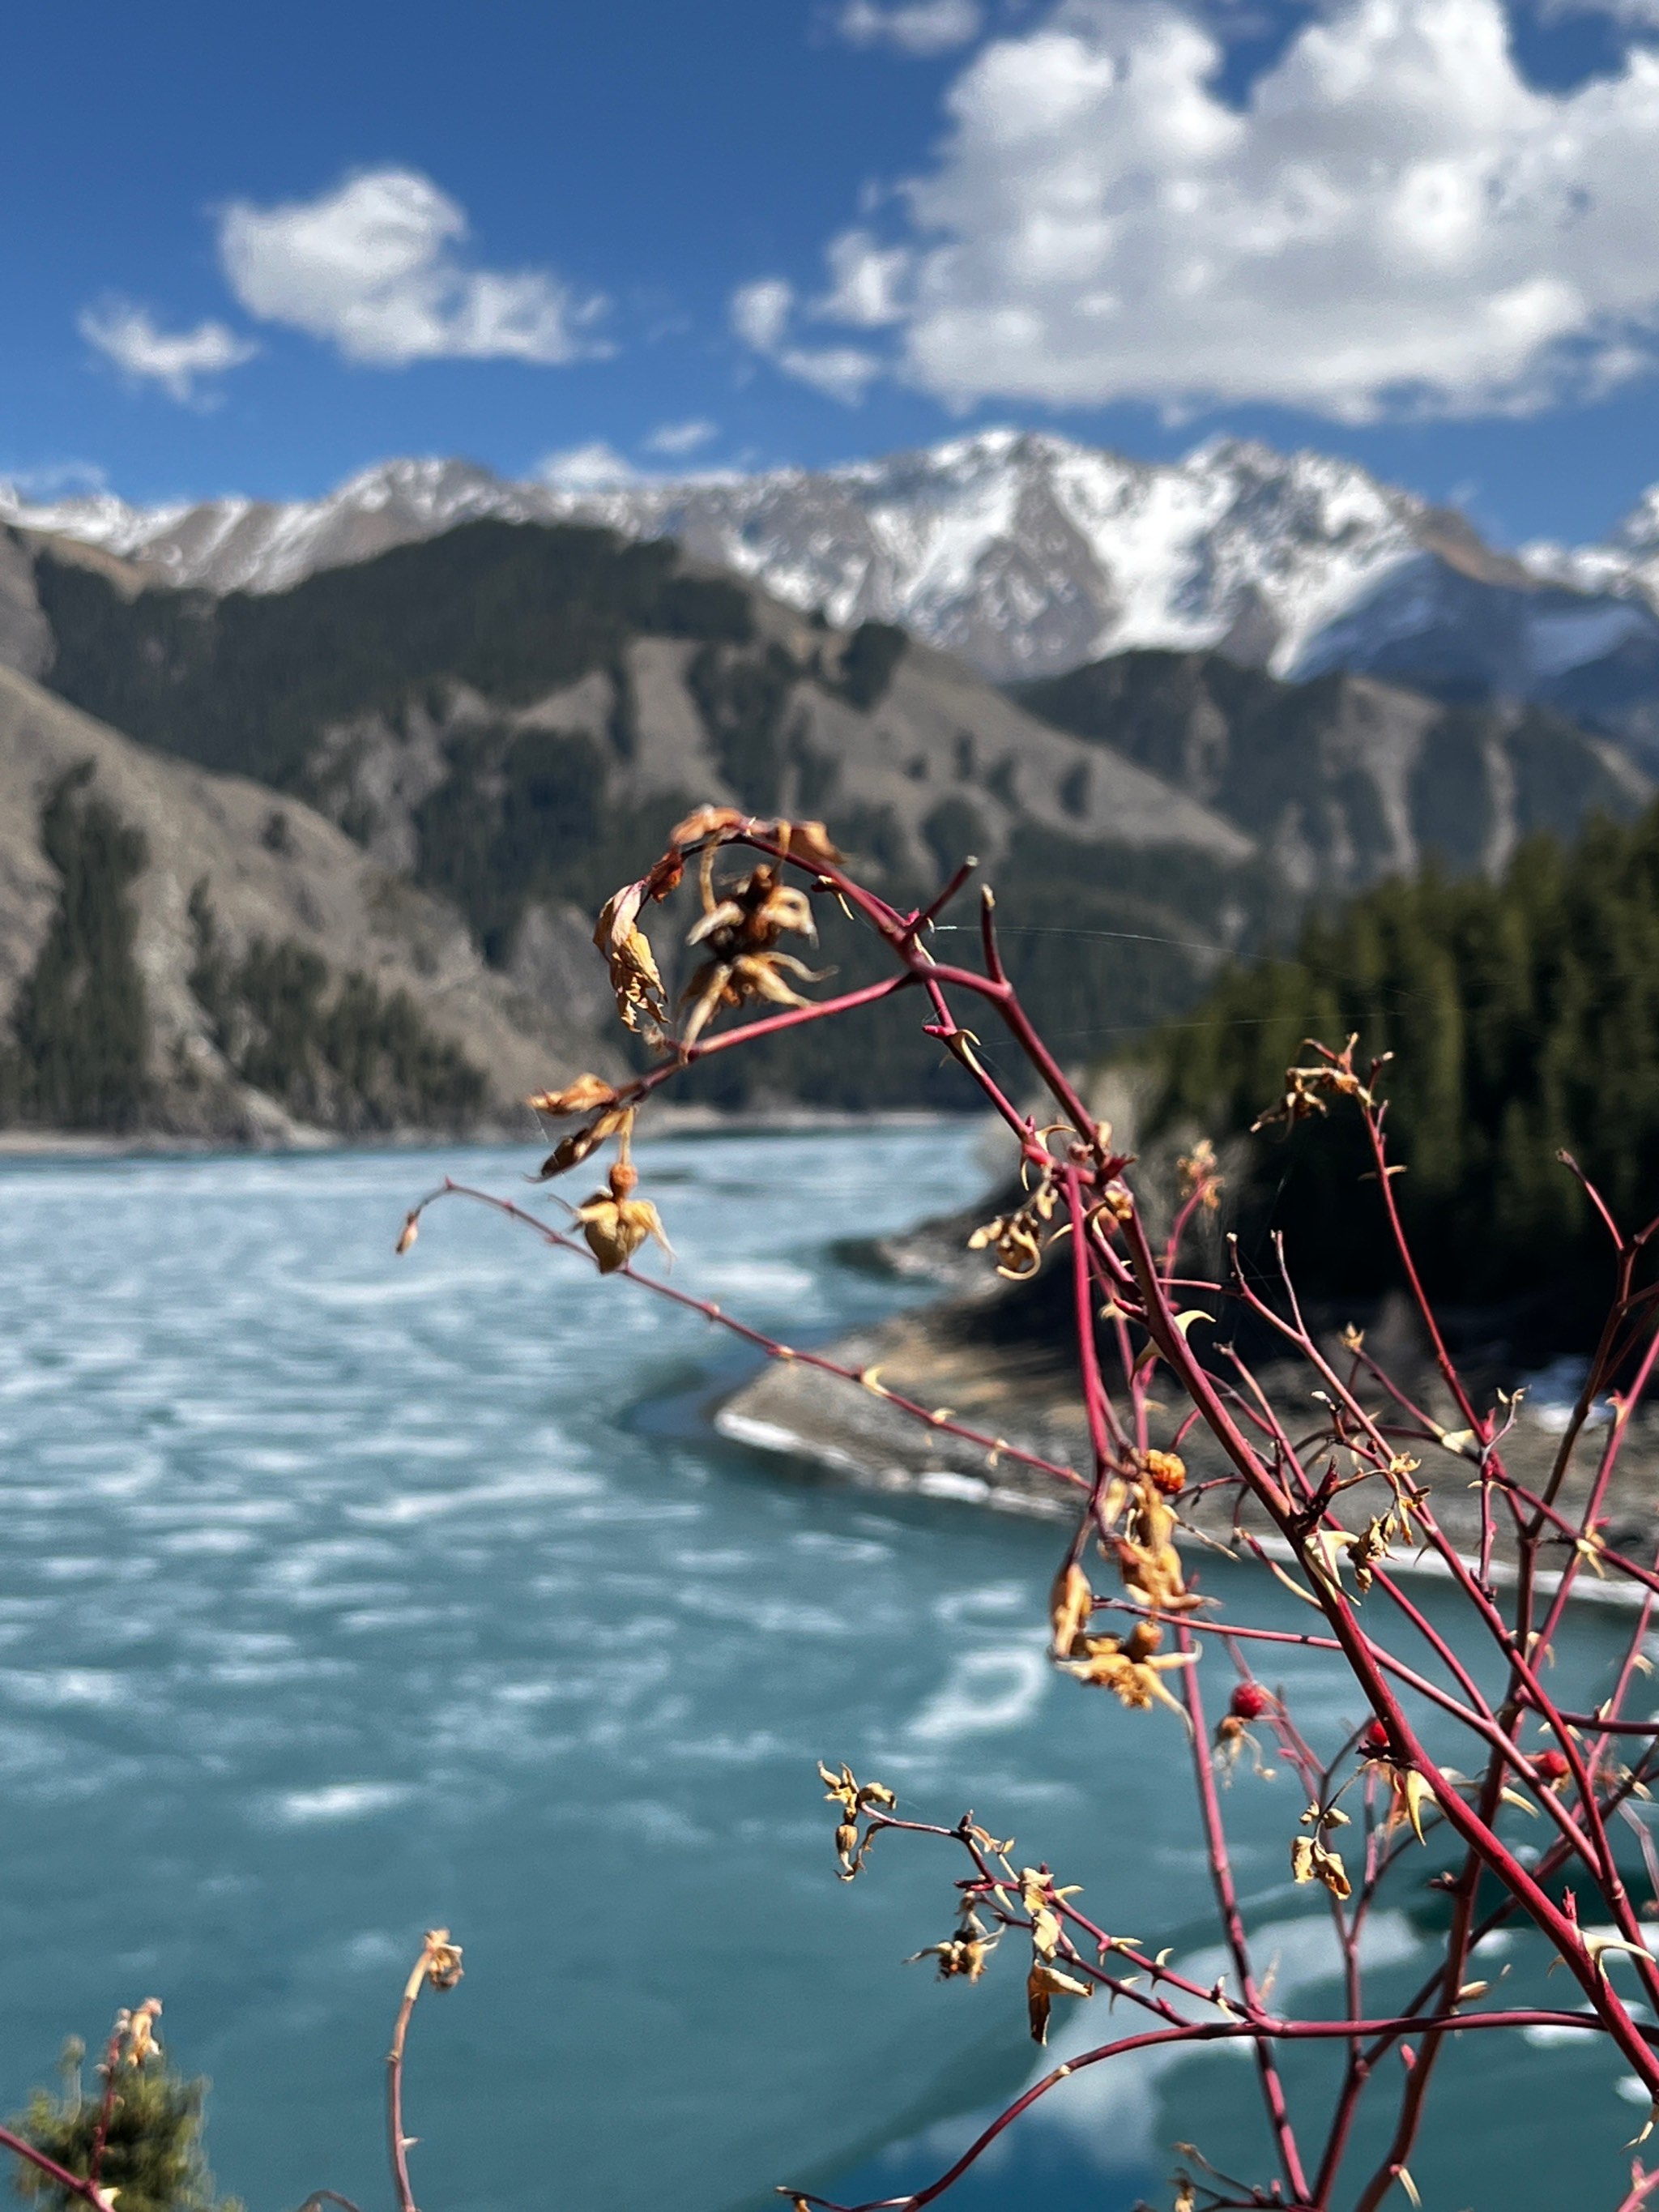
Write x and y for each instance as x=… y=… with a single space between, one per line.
x=256 y=251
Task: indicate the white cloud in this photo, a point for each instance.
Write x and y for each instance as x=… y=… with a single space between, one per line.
x=176 y=360
x=592 y=467
x=1396 y=221
x=761 y=312
x=760 y=315
x=866 y=281
x=373 y=267
x=842 y=373
x=923 y=26
x=677 y=438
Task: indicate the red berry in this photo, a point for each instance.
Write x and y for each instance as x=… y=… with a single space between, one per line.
x=1374 y=1744
x=1551 y=1764
x=1249 y=1701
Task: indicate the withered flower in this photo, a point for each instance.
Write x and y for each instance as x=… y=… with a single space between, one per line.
x=1127 y=1667
x=615 y=1224
x=1371 y=1545
x=1307 y=1089
x=407 y=1234
x=853 y=1796
x=843 y=1787
x=1017 y=1238
x=1117 y=1203
x=1233 y=1737
x=740 y=931
x=137 y=2030
x=1145 y=1553
x=1201 y=1177
x=957 y=1956
x=1312 y=1858
x=441 y=1959
x=1042 y=1984
x=965 y=1954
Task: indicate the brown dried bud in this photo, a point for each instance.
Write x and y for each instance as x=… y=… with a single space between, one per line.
x=1167 y=1470
x=411 y=1230
x=441 y=1959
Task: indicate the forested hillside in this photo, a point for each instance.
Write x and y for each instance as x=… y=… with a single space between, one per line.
x=509 y=716
x=181 y=953
x=512 y=715
x=1523 y=1019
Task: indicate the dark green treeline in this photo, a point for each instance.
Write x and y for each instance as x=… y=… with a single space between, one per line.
x=1523 y=1017
x=79 y=1050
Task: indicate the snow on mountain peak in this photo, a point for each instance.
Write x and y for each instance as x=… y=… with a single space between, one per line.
x=1023 y=550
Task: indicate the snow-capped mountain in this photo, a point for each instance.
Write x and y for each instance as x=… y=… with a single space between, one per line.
x=1024 y=552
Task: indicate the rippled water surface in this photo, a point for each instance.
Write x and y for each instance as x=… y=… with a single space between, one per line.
x=343 y=1596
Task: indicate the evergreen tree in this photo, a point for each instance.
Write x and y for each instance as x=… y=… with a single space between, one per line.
x=1523 y=1018
x=80 y=1049
x=149 y=2141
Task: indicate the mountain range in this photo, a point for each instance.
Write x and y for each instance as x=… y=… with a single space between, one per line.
x=1026 y=555
x=357 y=775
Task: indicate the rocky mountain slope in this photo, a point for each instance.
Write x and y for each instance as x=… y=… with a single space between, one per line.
x=1028 y=554
x=512 y=716
x=509 y=716
x=186 y=952
x=1344 y=780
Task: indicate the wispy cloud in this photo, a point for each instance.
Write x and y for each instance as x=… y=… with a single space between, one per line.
x=677 y=438
x=921 y=27
x=374 y=268
x=762 y=314
x=177 y=361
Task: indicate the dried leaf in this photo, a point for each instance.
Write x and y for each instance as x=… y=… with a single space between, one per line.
x=1042 y=1984
x=1071 y=1601
x=807 y=842
x=707 y=821
x=581 y=1096
x=1312 y=1860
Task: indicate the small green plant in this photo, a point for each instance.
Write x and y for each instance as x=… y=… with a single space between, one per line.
x=139 y=2140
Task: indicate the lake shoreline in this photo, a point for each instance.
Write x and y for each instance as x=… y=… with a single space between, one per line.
x=663 y=1122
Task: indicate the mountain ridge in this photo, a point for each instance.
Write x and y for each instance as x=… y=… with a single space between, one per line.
x=1025 y=553
x=500 y=721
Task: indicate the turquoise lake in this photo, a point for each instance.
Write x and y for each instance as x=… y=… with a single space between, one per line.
x=343 y=1596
